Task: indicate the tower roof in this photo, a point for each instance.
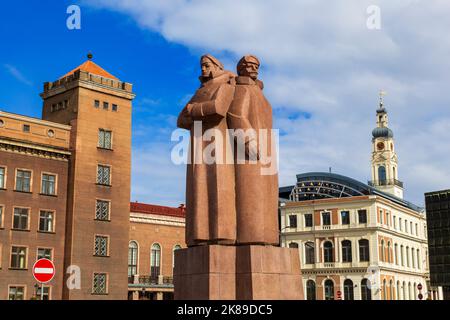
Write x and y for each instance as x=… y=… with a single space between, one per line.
x=92 y=67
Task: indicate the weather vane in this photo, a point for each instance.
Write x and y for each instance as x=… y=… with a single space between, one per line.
x=382 y=94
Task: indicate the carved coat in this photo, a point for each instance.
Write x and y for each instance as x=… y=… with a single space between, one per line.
x=210 y=197
x=256 y=193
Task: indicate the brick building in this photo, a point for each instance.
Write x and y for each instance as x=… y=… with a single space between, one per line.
x=65 y=188
x=155 y=233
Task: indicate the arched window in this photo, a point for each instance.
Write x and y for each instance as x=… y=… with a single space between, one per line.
x=309 y=253
x=310 y=290
x=413 y=259
x=407 y=257
x=366 y=294
x=155 y=261
x=346 y=251
x=405 y=294
x=382 y=250
x=418 y=259
x=328 y=252
x=396 y=253
x=348 y=290
x=382 y=175
x=329 y=290
x=132 y=258
x=391 y=290
x=415 y=291
x=410 y=294
x=175 y=248
x=389 y=252
x=398 y=290
x=384 y=291
x=364 y=250
x=402 y=257
x=293 y=245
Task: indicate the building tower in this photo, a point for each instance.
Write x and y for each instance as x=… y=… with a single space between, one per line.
x=384 y=158
x=97 y=106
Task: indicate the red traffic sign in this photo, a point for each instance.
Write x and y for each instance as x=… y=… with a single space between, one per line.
x=43 y=270
x=420 y=296
x=339 y=294
x=419 y=286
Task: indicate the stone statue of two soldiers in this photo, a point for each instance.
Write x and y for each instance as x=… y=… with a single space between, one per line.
x=230 y=202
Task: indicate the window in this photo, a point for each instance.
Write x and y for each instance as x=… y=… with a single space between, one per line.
x=366 y=293
x=396 y=253
x=398 y=290
x=407 y=257
x=310 y=290
x=406 y=226
x=114 y=107
x=400 y=223
x=382 y=175
x=132 y=258
x=418 y=259
x=364 y=250
x=402 y=259
x=328 y=252
x=155 y=262
x=104 y=175
x=1 y=216
x=20 y=220
x=382 y=251
x=26 y=128
x=293 y=221
x=387 y=222
x=44 y=253
x=102 y=210
x=104 y=139
x=413 y=259
x=293 y=245
x=348 y=290
x=309 y=253
x=16 y=293
x=175 y=248
x=346 y=251
x=45 y=295
x=326 y=218
x=411 y=227
x=18 y=257
x=381 y=216
x=362 y=216
x=99 y=285
x=329 y=290
x=389 y=258
x=105 y=105
x=101 y=246
x=345 y=217
x=46 y=219
x=384 y=290
x=2 y=177
x=395 y=222
x=48 y=184
x=23 y=180
x=97 y=104
x=308 y=220
x=417 y=229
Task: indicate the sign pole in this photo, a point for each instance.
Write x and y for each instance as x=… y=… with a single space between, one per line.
x=42 y=291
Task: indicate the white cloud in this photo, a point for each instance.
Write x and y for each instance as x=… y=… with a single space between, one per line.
x=17 y=74
x=319 y=57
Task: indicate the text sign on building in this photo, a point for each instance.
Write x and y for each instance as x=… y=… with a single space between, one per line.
x=43 y=270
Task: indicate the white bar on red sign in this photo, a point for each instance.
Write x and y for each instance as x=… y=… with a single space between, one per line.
x=44 y=270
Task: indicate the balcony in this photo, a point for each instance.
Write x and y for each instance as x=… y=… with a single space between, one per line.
x=389 y=182
x=150 y=280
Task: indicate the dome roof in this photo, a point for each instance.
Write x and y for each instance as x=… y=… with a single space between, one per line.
x=382 y=133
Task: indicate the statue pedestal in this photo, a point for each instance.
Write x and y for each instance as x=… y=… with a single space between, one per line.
x=249 y=272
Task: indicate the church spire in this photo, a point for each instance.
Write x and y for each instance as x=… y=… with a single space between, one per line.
x=384 y=157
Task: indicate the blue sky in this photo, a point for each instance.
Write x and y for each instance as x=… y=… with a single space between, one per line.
x=321 y=66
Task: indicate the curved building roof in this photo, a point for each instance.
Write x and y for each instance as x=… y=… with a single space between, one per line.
x=322 y=185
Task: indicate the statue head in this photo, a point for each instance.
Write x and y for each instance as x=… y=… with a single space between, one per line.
x=248 y=66
x=211 y=67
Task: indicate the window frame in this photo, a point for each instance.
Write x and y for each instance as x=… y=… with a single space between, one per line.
x=110 y=174
x=11 y=267
x=97 y=200
x=293 y=217
x=342 y=217
x=31 y=180
x=18 y=286
x=107 y=237
x=45 y=248
x=53 y=212
x=360 y=211
x=55 y=187
x=5 y=176
x=106 y=283
x=28 y=218
x=310 y=218
x=99 y=144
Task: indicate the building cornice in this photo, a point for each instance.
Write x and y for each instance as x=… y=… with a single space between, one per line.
x=34 y=150
x=157 y=219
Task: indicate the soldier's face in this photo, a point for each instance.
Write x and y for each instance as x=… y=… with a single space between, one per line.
x=250 y=69
x=208 y=68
